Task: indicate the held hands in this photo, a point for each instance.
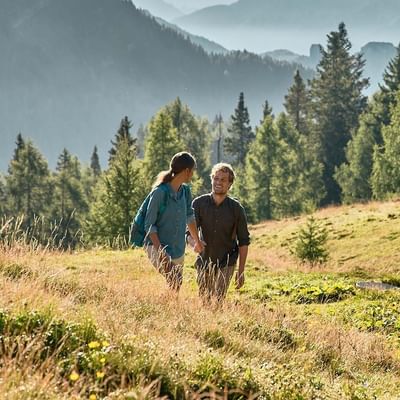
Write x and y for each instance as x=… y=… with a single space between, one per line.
x=198 y=246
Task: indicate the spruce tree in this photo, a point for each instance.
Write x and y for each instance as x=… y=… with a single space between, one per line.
x=260 y=166
x=95 y=163
x=194 y=134
x=390 y=86
x=267 y=111
x=27 y=183
x=240 y=136
x=69 y=205
x=120 y=192
x=161 y=144
x=337 y=102
x=297 y=104
x=122 y=134
x=386 y=168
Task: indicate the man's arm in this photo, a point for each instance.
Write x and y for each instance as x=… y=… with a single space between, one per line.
x=198 y=245
x=243 y=251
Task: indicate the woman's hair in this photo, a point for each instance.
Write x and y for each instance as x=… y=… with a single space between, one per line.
x=180 y=161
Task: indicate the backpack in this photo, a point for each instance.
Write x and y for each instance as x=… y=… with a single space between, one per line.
x=137 y=233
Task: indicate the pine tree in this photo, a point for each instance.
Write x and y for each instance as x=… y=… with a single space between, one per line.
x=311 y=241
x=390 y=86
x=69 y=205
x=240 y=136
x=119 y=195
x=161 y=144
x=260 y=165
x=297 y=104
x=267 y=111
x=122 y=134
x=95 y=163
x=297 y=184
x=19 y=146
x=337 y=102
x=194 y=134
x=386 y=168
x=27 y=183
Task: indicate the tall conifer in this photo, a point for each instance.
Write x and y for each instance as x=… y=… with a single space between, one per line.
x=240 y=136
x=337 y=102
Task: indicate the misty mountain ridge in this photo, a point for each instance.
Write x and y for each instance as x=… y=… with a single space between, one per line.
x=269 y=24
x=159 y=8
x=377 y=56
x=71 y=70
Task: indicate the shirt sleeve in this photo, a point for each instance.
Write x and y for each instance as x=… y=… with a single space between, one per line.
x=153 y=208
x=243 y=234
x=189 y=209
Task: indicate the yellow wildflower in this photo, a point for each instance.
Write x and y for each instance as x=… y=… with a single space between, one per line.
x=105 y=343
x=74 y=376
x=94 y=345
x=102 y=360
x=92 y=397
x=100 y=374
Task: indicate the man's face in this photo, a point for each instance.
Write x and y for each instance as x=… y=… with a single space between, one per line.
x=220 y=182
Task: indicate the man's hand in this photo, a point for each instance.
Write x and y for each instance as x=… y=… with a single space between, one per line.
x=239 y=279
x=199 y=246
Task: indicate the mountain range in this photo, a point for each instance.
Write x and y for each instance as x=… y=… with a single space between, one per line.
x=71 y=70
x=262 y=25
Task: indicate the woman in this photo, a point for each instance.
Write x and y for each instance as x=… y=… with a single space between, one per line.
x=169 y=212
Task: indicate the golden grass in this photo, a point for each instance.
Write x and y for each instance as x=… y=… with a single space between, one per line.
x=128 y=300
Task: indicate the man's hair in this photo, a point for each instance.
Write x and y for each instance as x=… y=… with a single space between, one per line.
x=224 y=167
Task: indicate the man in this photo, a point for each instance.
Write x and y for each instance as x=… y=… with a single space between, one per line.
x=223 y=230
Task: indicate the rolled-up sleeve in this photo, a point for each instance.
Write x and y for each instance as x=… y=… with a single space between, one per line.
x=243 y=234
x=152 y=211
x=189 y=209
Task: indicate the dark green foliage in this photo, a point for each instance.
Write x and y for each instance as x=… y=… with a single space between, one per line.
x=69 y=206
x=123 y=134
x=337 y=102
x=386 y=169
x=354 y=176
x=95 y=163
x=240 y=136
x=311 y=241
x=391 y=84
x=27 y=182
x=194 y=134
x=161 y=144
x=267 y=111
x=118 y=196
x=297 y=105
x=260 y=170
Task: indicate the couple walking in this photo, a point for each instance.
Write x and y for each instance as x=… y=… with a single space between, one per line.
x=213 y=224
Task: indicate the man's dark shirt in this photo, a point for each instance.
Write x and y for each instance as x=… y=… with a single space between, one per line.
x=222 y=227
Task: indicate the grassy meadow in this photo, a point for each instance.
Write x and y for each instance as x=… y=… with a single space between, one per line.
x=96 y=324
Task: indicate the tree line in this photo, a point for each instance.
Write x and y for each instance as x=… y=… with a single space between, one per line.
x=331 y=145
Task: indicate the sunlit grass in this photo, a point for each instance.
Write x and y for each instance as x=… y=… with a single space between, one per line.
x=264 y=339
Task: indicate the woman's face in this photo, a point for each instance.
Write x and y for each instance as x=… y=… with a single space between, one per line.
x=189 y=174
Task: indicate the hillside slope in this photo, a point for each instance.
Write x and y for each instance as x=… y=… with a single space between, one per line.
x=96 y=323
